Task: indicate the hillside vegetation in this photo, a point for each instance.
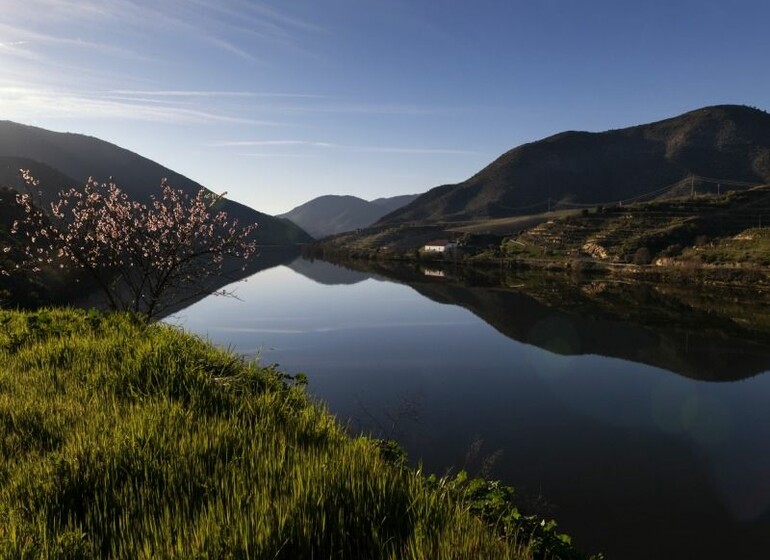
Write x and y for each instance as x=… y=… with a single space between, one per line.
x=727 y=141
x=725 y=236
x=724 y=230
x=120 y=440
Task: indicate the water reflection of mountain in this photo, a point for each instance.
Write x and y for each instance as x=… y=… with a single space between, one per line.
x=712 y=335
x=327 y=273
x=710 y=353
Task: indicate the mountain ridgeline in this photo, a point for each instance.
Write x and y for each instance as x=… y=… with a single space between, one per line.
x=729 y=142
x=62 y=160
x=332 y=214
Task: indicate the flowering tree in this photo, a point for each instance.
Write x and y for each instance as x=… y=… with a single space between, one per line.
x=144 y=257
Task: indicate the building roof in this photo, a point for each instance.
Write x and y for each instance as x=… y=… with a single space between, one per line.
x=439 y=243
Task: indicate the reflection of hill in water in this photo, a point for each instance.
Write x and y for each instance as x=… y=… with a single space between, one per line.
x=327 y=273
x=713 y=335
x=709 y=353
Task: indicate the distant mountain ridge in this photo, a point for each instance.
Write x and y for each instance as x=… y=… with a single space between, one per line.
x=725 y=141
x=75 y=157
x=332 y=214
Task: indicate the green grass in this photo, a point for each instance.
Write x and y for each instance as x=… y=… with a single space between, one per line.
x=749 y=247
x=119 y=440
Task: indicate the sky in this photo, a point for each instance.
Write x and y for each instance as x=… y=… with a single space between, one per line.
x=277 y=102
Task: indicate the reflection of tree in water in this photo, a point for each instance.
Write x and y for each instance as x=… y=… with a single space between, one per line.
x=389 y=422
x=482 y=463
x=478 y=464
x=266 y=258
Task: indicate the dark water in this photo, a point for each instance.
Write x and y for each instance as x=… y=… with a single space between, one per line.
x=637 y=416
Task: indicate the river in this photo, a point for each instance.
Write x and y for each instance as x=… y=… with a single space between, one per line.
x=637 y=417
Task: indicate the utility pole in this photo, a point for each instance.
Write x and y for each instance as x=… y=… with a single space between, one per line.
x=692 y=186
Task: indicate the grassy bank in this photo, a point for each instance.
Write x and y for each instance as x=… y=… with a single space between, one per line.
x=124 y=441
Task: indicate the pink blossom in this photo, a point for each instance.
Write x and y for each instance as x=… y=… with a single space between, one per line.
x=144 y=257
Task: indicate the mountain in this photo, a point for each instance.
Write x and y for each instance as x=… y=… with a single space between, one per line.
x=394 y=202
x=729 y=142
x=72 y=158
x=332 y=214
x=51 y=180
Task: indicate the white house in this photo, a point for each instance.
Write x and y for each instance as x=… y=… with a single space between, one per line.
x=433 y=272
x=440 y=246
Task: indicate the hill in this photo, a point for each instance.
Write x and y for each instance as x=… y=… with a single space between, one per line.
x=17 y=288
x=715 y=239
x=78 y=157
x=727 y=141
x=55 y=286
x=332 y=214
x=394 y=202
x=122 y=440
x=705 y=229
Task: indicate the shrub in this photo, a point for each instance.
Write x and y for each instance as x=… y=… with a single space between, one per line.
x=642 y=256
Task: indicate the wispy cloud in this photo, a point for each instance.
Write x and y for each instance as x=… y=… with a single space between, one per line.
x=35 y=102
x=280 y=18
x=18 y=51
x=295 y=103
x=346 y=147
x=231 y=48
x=230 y=26
x=343 y=106
x=211 y=93
x=46 y=11
x=31 y=38
x=245 y=143
x=251 y=15
x=404 y=150
x=277 y=155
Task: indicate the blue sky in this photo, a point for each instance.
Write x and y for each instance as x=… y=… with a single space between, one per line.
x=277 y=102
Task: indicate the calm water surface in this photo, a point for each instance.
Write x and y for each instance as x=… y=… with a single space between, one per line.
x=633 y=460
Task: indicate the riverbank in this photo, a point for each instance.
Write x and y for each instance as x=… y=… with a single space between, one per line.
x=125 y=441
x=705 y=239
x=683 y=273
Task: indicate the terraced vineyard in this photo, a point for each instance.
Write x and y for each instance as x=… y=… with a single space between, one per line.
x=680 y=228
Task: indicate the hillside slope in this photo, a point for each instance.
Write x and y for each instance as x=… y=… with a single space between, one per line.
x=17 y=287
x=332 y=214
x=711 y=228
x=78 y=156
x=727 y=141
x=122 y=440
